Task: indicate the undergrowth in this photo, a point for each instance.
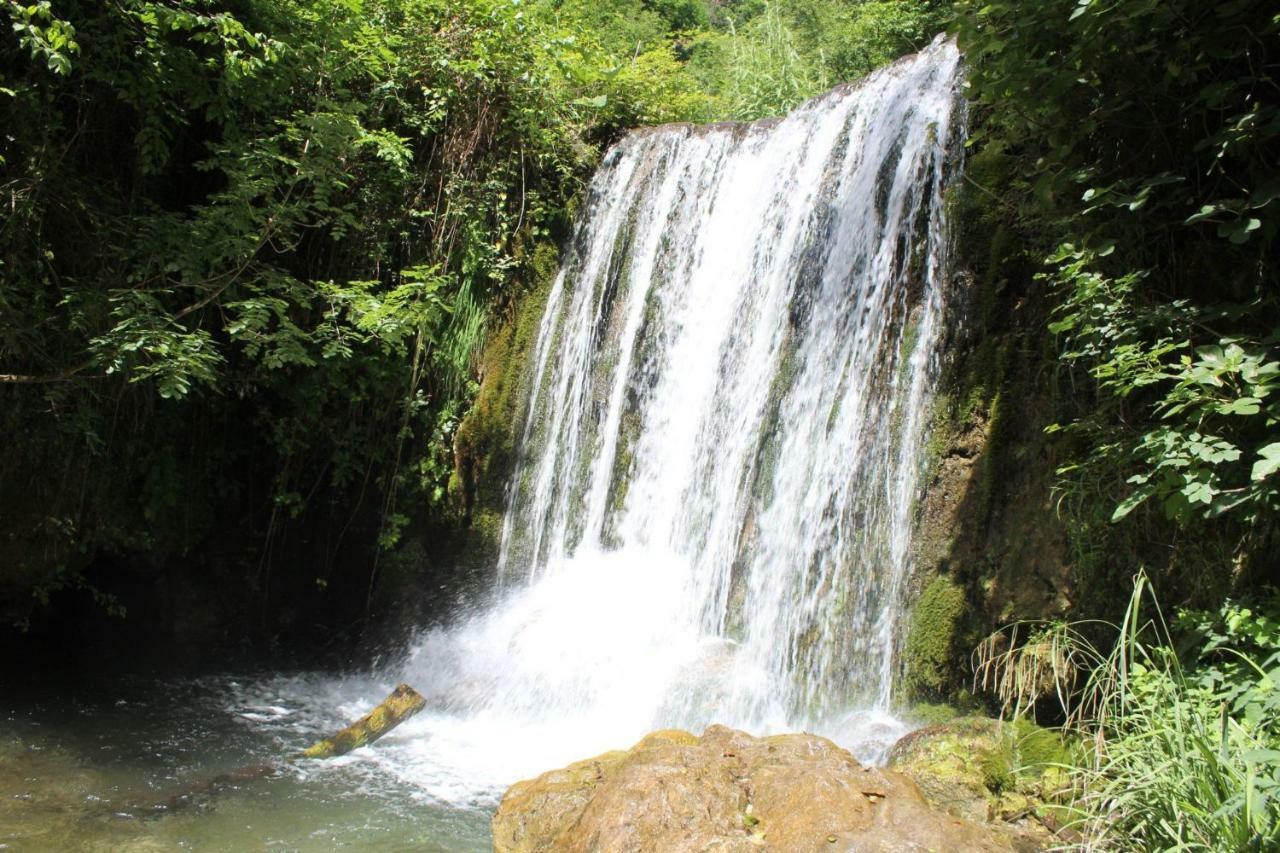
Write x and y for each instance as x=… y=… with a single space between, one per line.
x=1181 y=719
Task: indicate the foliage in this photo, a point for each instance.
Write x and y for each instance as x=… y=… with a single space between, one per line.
x=1139 y=140
x=1184 y=722
x=46 y=37
x=292 y=216
x=1188 y=749
x=1133 y=113
x=1234 y=656
x=764 y=71
x=849 y=40
x=1210 y=447
x=1025 y=663
x=773 y=56
x=252 y=251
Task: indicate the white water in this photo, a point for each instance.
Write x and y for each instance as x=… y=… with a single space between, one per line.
x=711 y=517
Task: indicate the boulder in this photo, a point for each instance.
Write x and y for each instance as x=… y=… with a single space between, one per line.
x=728 y=791
x=986 y=770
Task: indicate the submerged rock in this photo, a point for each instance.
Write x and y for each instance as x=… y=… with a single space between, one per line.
x=728 y=791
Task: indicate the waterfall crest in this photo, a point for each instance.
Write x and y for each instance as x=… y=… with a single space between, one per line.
x=710 y=517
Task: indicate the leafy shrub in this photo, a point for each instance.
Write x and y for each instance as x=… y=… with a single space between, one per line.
x=1183 y=724
x=1137 y=139
x=1211 y=447
x=269 y=236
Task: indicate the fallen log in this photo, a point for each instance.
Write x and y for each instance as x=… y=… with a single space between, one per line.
x=402 y=704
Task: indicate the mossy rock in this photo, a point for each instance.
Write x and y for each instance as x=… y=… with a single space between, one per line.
x=988 y=770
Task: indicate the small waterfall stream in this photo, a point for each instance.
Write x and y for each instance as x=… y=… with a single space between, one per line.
x=710 y=519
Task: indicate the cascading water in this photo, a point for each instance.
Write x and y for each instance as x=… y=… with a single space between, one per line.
x=730 y=378
x=711 y=517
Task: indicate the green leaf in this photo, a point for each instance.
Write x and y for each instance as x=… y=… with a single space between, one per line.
x=1241 y=406
x=1239 y=231
x=1199 y=492
x=1132 y=502
x=1268 y=463
x=1205 y=213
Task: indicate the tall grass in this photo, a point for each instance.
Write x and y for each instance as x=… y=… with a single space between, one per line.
x=463 y=337
x=1183 y=753
x=1050 y=663
x=767 y=73
x=1184 y=759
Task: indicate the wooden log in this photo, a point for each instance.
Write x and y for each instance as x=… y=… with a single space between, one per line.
x=402 y=704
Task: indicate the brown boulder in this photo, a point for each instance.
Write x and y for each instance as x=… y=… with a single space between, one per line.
x=728 y=791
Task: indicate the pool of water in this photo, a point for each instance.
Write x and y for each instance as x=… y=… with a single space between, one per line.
x=94 y=763
x=550 y=674
x=83 y=769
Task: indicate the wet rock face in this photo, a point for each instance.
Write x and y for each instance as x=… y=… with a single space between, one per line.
x=728 y=791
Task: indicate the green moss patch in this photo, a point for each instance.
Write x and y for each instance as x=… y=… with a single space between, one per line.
x=987 y=770
x=486 y=441
x=487 y=436
x=931 y=640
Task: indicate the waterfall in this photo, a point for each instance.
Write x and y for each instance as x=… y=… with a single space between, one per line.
x=710 y=518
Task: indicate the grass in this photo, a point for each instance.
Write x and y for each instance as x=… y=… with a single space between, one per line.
x=1178 y=763
x=1183 y=752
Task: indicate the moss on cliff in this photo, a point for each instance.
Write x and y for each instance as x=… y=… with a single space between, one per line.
x=931 y=640
x=485 y=444
x=987 y=535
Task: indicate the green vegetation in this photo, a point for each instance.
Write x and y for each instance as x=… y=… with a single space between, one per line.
x=1134 y=143
x=931 y=645
x=248 y=259
x=253 y=252
x=1138 y=141
x=747 y=59
x=271 y=271
x=1182 y=722
x=1189 y=756
x=980 y=768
